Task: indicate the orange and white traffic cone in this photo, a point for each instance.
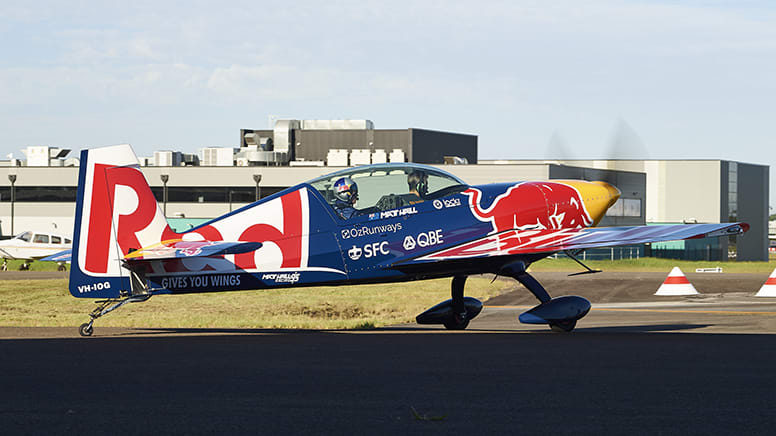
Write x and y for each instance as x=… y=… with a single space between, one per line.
x=769 y=288
x=676 y=284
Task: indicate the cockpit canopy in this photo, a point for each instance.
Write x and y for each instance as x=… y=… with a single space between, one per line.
x=385 y=186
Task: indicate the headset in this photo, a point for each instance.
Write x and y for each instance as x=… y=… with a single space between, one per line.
x=418 y=181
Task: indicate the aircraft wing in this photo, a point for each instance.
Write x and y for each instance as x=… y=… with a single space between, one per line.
x=513 y=242
x=177 y=248
x=62 y=256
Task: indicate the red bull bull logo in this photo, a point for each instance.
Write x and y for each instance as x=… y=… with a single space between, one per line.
x=530 y=217
x=532 y=206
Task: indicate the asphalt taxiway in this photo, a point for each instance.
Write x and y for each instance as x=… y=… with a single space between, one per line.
x=637 y=364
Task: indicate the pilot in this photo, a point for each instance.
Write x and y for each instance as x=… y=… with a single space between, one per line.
x=418 y=185
x=345 y=197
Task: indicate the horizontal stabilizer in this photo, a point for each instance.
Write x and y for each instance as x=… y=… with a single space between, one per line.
x=177 y=249
x=62 y=256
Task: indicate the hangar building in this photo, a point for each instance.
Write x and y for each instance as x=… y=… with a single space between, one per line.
x=353 y=142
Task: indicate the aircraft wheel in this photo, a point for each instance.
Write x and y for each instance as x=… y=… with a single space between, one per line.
x=61 y=268
x=564 y=326
x=85 y=329
x=456 y=324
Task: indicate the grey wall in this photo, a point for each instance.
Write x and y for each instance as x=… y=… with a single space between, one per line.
x=394 y=138
x=315 y=144
x=419 y=145
x=430 y=147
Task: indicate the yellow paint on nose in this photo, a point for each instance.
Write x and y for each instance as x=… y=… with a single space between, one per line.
x=597 y=196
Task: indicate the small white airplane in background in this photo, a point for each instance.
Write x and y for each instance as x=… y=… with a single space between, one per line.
x=33 y=245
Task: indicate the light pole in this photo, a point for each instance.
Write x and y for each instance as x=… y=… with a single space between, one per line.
x=12 y=179
x=165 y=178
x=257 y=179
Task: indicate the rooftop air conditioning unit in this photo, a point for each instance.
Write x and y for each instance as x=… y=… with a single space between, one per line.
x=360 y=156
x=397 y=155
x=337 y=158
x=252 y=139
x=455 y=160
x=379 y=156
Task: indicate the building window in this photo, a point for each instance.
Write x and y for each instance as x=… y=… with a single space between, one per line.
x=732 y=191
x=732 y=206
x=626 y=207
x=40 y=194
x=212 y=194
x=175 y=194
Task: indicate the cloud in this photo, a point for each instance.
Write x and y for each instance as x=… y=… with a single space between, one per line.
x=540 y=65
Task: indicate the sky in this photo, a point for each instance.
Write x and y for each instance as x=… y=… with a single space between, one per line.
x=533 y=79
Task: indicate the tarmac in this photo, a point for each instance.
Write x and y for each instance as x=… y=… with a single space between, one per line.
x=637 y=364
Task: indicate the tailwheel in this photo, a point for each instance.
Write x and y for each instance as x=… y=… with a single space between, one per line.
x=563 y=326
x=106 y=306
x=86 y=329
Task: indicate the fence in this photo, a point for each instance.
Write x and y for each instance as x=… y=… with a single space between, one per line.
x=639 y=251
x=688 y=254
x=611 y=253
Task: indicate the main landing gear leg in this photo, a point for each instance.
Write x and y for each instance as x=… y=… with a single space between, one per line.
x=560 y=313
x=459 y=321
x=104 y=308
x=532 y=285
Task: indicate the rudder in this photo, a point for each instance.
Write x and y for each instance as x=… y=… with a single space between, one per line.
x=116 y=212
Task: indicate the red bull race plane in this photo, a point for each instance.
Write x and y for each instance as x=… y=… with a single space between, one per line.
x=369 y=224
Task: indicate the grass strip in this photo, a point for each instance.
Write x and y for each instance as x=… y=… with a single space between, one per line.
x=47 y=303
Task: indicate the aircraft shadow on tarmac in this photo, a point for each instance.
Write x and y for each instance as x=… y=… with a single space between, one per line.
x=398 y=329
x=648 y=328
x=211 y=331
x=642 y=328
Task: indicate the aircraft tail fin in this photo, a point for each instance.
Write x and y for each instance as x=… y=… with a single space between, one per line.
x=116 y=213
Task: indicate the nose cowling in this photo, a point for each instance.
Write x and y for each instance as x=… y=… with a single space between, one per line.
x=612 y=191
x=597 y=197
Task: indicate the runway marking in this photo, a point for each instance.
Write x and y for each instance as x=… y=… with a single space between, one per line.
x=711 y=312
